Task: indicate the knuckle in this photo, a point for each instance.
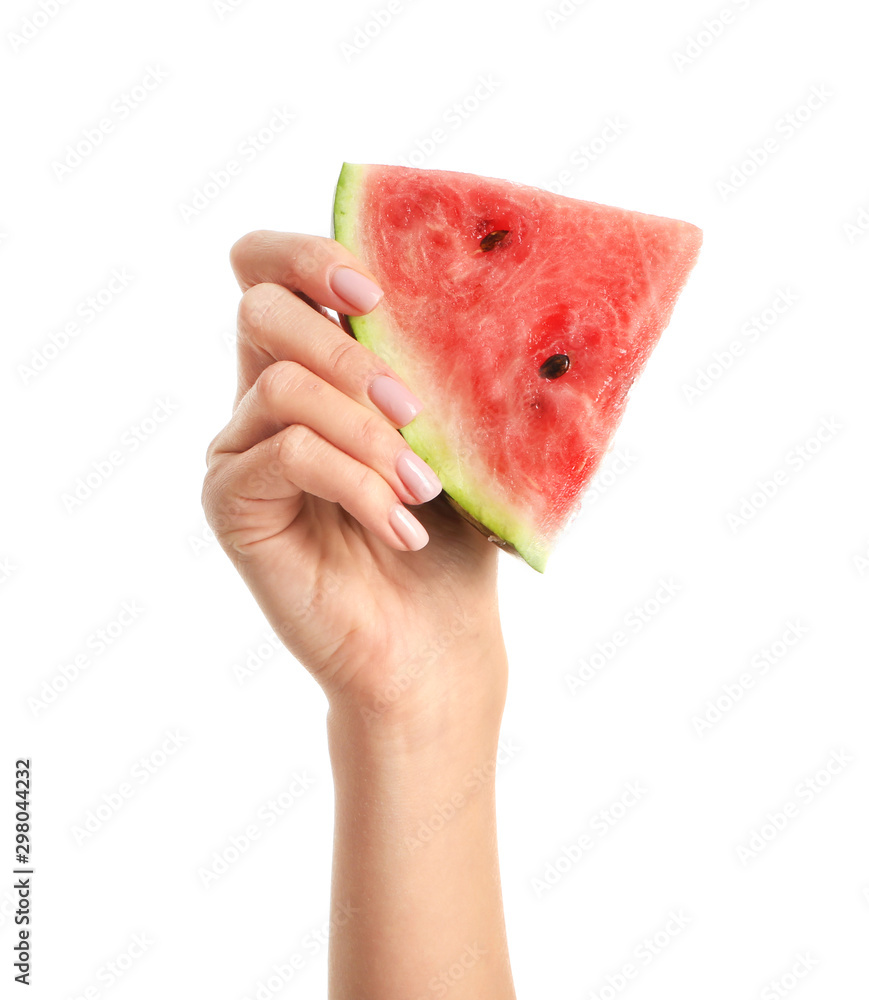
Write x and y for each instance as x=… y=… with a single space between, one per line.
x=293 y=445
x=279 y=379
x=257 y=305
x=209 y=451
x=346 y=361
x=360 y=487
x=207 y=492
x=219 y=510
x=243 y=247
x=312 y=255
x=369 y=434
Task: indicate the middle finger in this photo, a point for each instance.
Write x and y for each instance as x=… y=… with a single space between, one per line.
x=276 y=325
x=287 y=393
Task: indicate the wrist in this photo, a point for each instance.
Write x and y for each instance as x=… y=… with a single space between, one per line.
x=410 y=744
x=405 y=775
x=454 y=710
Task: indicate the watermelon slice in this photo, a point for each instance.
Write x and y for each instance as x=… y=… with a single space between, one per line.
x=520 y=318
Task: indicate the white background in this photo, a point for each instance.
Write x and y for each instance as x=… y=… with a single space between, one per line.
x=793 y=225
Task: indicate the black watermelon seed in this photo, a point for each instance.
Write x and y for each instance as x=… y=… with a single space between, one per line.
x=554 y=367
x=493 y=239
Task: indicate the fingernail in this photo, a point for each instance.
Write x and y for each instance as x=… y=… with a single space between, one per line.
x=408 y=529
x=355 y=289
x=420 y=480
x=393 y=400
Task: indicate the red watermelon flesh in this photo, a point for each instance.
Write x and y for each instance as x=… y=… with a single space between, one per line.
x=492 y=290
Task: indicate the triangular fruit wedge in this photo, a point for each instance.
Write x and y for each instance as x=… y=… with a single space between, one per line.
x=521 y=319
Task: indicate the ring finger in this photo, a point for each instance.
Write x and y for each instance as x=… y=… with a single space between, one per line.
x=287 y=393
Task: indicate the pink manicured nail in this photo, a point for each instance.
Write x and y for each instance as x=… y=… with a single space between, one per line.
x=393 y=400
x=355 y=289
x=420 y=480
x=408 y=529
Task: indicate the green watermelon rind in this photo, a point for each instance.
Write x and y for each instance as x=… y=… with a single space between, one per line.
x=421 y=435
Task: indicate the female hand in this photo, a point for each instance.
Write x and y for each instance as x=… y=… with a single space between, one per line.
x=394 y=613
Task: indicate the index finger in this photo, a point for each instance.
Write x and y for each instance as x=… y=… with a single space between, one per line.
x=275 y=324
x=318 y=268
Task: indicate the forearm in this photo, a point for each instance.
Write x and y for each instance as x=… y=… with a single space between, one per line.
x=416 y=893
